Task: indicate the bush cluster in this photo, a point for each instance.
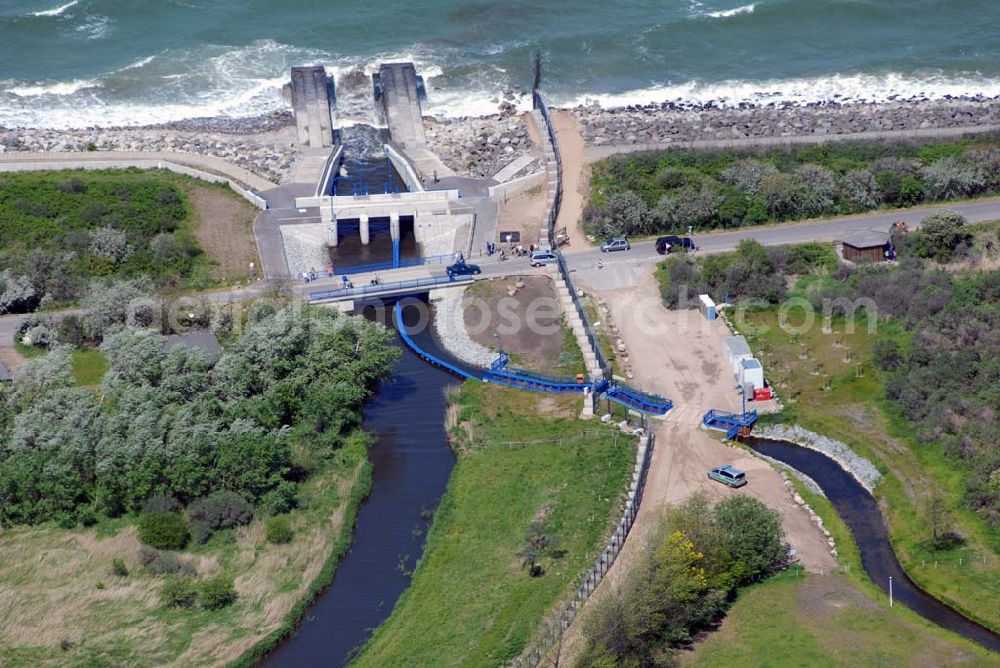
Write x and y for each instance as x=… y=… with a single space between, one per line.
x=682 y=580
x=278 y=529
x=163 y=530
x=671 y=190
x=58 y=231
x=186 y=424
x=210 y=594
x=219 y=510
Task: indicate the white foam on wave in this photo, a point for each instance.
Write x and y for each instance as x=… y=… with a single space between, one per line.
x=728 y=13
x=835 y=88
x=142 y=62
x=59 y=88
x=96 y=27
x=56 y=11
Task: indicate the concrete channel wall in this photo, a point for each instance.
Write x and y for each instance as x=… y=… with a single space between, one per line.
x=518 y=186
x=405 y=168
x=547 y=639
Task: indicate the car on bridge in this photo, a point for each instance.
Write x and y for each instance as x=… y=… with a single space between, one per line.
x=540 y=257
x=616 y=244
x=729 y=476
x=463 y=268
x=671 y=242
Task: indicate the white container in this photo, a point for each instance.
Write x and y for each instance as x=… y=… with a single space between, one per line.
x=736 y=349
x=752 y=373
x=707 y=307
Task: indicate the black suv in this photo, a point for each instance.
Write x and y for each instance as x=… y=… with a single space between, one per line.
x=663 y=244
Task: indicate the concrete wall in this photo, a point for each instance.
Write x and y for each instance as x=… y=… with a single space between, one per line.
x=389 y=201
x=518 y=186
x=38 y=166
x=405 y=168
x=312 y=98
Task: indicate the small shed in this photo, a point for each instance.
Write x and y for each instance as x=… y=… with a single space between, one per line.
x=199 y=338
x=735 y=349
x=706 y=306
x=752 y=373
x=5 y=376
x=865 y=246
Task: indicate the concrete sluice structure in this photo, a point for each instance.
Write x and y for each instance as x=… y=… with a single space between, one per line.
x=407 y=186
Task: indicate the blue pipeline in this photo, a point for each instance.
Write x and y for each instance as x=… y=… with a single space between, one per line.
x=539 y=382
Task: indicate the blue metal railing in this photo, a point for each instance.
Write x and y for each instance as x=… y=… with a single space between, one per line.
x=413 y=285
x=420 y=352
x=640 y=401
x=731 y=423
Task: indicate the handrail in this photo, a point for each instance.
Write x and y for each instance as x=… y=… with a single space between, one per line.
x=420 y=352
x=385 y=287
x=588 y=327
x=403 y=263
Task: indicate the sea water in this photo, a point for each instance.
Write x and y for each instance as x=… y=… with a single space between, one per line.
x=117 y=62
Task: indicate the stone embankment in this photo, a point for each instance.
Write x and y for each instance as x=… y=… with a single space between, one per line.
x=670 y=122
x=262 y=146
x=449 y=325
x=478 y=147
x=863 y=470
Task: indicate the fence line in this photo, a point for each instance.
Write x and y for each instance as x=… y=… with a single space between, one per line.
x=549 y=138
x=551 y=632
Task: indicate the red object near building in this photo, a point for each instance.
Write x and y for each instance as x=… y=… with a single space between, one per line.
x=763 y=394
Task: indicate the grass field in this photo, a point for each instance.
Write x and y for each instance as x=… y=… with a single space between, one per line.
x=89 y=365
x=818 y=380
x=471 y=602
x=798 y=619
x=60 y=604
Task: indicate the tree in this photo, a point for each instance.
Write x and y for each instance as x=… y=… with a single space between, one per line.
x=746 y=174
x=940 y=235
x=947 y=178
x=17 y=293
x=536 y=543
x=110 y=244
x=752 y=535
x=109 y=304
x=135 y=357
x=163 y=530
x=859 y=187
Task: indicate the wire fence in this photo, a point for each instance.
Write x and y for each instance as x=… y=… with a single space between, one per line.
x=549 y=637
x=552 y=148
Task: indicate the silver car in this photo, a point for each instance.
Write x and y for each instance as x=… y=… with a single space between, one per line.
x=616 y=244
x=540 y=257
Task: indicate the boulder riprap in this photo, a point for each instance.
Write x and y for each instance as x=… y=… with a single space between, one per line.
x=478 y=147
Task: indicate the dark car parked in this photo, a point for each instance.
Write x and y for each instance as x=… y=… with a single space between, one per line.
x=463 y=269
x=673 y=243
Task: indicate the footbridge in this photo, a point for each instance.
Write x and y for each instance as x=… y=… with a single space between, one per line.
x=734 y=424
x=502 y=373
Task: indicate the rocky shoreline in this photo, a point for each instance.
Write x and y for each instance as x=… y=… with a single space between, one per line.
x=670 y=122
x=479 y=146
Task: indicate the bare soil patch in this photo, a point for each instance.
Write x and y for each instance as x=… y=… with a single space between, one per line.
x=522 y=212
x=489 y=308
x=223 y=225
x=576 y=178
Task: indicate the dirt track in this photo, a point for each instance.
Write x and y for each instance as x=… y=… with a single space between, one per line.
x=681 y=358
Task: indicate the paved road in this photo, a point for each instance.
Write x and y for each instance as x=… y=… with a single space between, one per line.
x=833 y=229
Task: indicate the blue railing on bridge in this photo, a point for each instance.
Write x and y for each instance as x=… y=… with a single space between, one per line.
x=420 y=352
x=403 y=262
x=638 y=400
x=397 y=287
x=731 y=423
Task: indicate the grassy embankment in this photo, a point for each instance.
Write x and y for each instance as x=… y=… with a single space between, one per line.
x=471 y=601
x=178 y=231
x=63 y=605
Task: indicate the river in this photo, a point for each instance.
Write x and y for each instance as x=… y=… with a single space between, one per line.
x=861 y=514
x=412 y=463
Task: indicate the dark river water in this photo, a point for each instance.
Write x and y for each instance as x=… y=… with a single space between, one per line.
x=861 y=514
x=412 y=462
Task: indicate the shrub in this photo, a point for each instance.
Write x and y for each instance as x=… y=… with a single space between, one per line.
x=940 y=236
x=118 y=568
x=746 y=174
x=17 y=294
x=110 y=244
x=156 y=562
x=281 y=499
x=278 y=529
x=219 y=510
x=218 y=592
x=163 y=530
x=947 y=178
x=161 y=503
x=178 y=592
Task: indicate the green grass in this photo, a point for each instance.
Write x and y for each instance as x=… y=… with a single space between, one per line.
x=89 y=366
x=853 y=410
x=470 y=601
x=796 y=619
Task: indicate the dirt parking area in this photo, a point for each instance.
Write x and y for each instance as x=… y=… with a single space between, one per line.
x=678 y=354
x=490 y=307
x=224 y=228
x=523 y=213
